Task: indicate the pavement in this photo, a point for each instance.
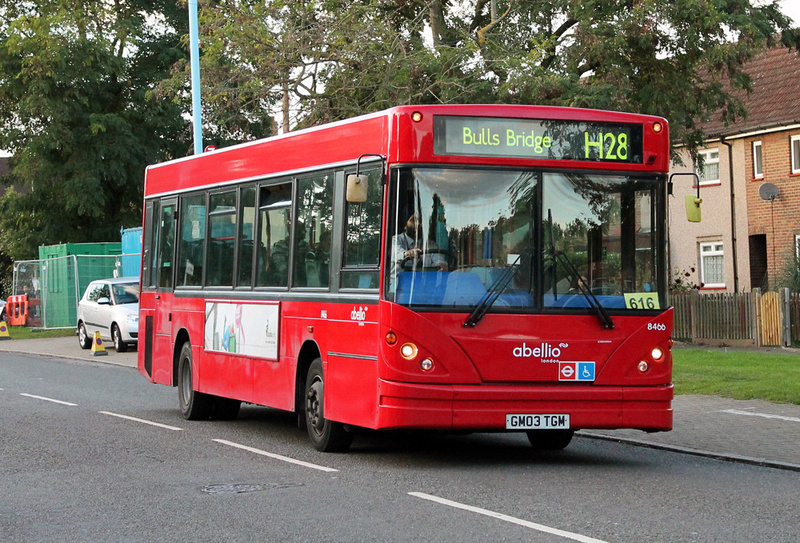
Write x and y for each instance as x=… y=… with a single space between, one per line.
x=746 y=431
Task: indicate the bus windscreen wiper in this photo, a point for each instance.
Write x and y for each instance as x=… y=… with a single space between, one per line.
x=575 y=277
x=495 y=289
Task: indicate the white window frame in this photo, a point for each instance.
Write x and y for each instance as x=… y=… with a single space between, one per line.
x=797 y=246
x=716 y=250
x=758 y=160
x=708 y=159
x=795 y=143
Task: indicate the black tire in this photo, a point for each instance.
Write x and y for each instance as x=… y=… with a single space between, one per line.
x=116 y=337
x=326 y=435
x=83 y=338
x=194 y=405
x=550 y=440
x=224 y=408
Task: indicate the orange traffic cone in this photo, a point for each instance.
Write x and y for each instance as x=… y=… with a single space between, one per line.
x=98 y=349
x=4 y=331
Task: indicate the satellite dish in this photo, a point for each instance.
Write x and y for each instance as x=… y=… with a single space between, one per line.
x=768 y=191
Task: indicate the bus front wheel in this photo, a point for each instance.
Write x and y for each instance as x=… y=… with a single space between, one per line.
x=326 y=435
x=194 y=405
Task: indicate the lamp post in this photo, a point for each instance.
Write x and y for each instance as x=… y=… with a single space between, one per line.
x=194 y=55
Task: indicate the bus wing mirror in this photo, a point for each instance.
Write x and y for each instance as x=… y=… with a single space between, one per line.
x=357 y=188
x=692 y=202
x=693 y=208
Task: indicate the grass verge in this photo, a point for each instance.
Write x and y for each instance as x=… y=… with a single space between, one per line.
x=22 y=332
x=741 y=375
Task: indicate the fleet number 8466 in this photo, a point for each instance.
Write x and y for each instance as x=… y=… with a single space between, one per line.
x=657 y=326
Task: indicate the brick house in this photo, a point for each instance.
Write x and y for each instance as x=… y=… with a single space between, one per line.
x=749 y=235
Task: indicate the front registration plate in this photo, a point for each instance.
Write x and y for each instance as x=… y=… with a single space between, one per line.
x=537 y=422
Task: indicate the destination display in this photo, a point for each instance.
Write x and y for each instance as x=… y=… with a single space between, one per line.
x=537 y=138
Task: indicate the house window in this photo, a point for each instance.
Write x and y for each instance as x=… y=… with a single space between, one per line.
x=758 y=164
x=796 y=154
x=712 y=269
x=710 y=170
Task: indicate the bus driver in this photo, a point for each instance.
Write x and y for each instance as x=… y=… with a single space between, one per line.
x=409 y=252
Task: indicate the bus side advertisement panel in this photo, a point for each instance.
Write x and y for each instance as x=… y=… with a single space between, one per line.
x=242 y=328
x=237 y=339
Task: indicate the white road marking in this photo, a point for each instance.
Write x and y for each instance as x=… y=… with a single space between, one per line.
x=47 y=399
x=513 y=520
x=764 y=415
x=134 y=419
x=275 y=456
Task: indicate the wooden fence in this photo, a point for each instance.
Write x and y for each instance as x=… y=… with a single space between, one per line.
x=748 y=318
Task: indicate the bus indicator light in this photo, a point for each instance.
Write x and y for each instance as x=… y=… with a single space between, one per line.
x=416 y=116
x=643 y=367
x=391 y=338
x=657 y=127
x=426 y=364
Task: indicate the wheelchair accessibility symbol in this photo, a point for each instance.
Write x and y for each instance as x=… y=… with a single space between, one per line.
x=576 y=371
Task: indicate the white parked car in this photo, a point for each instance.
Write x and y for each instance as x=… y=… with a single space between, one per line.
x=111 y=307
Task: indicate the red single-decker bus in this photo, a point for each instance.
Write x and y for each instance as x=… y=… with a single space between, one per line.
x=452 y=267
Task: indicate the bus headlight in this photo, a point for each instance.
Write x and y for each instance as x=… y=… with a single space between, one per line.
x=657 y=353
x=408 y=351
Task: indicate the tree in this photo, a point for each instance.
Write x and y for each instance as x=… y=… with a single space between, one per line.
x=75 y=112
x=332 y=59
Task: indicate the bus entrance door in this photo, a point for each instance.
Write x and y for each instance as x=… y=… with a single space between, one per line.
x=161 y=331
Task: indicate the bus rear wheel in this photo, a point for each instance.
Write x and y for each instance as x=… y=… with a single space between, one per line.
x=550 y=440
x=194 y=405
x=326 y=435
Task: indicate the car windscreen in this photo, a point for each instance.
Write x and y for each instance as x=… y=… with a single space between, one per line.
x=126 y=293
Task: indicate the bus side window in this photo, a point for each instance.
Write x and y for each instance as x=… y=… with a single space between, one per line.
x=192 y=235
x=222 y=237
x=274 y=235
x=312 y=246
x=162 y=262
x=362 y=243
x=151 y=210
x=247 y=223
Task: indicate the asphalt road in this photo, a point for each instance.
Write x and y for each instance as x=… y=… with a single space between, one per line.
x=92 y=452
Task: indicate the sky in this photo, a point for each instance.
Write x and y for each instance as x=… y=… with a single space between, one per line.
x=792 y=9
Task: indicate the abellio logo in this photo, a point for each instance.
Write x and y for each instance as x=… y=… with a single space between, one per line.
x=545 y=350
x=359 y=314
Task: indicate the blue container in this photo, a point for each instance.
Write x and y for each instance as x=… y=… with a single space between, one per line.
x=131 y=251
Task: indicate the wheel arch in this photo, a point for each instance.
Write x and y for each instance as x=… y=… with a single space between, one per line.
x=180 y=338
x=308 y=353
